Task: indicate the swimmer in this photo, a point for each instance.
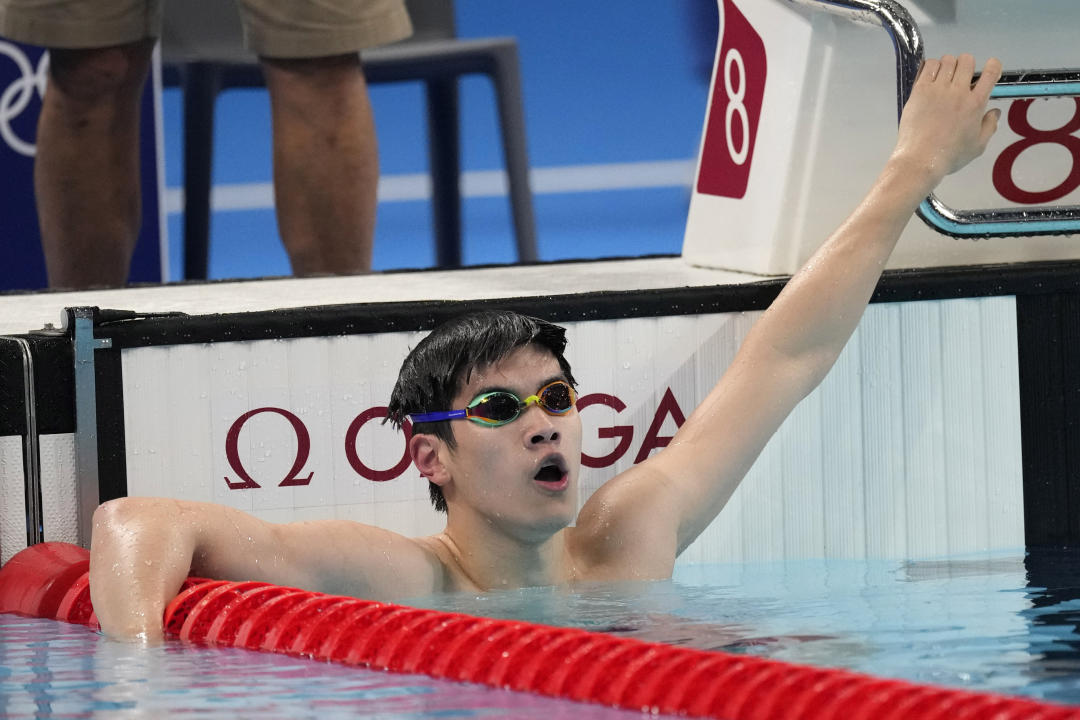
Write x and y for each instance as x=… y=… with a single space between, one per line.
x=498 y=437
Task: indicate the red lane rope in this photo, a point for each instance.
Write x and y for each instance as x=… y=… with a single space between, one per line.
x=51 y=580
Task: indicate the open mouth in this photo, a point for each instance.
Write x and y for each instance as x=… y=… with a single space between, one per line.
x=552 y=475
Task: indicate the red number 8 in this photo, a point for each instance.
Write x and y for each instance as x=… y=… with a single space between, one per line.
x=1018 y=121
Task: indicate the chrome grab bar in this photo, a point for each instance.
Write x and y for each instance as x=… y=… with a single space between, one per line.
x=31 y=448
x=908 y=44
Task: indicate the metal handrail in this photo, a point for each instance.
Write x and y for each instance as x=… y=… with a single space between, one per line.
x=31 y=448
x=908 y=44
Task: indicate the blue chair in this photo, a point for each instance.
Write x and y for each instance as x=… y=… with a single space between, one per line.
x=203 y=55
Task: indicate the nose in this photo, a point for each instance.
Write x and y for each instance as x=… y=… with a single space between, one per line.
x=538 y=427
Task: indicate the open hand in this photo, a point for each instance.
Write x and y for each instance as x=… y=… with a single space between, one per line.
x=945 y=124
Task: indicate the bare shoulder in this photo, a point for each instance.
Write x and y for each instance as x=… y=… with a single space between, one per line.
x=625 y=530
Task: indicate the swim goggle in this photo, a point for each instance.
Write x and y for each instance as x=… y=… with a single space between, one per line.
x=502 y=406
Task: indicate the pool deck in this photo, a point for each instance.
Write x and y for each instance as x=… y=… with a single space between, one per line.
x=27 y=312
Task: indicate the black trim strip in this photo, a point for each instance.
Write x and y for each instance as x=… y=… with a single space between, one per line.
x=54 y=384
x=112 y=452
x=1048 y=347
x=12 y=391
x=130 y=330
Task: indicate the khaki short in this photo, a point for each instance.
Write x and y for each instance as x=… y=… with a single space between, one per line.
x=272 y=28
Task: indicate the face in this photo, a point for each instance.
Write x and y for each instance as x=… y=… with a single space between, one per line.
x=523 y=475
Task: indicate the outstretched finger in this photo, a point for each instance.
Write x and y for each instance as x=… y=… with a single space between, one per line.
x=965 y=70
x=948 y=68
x=990 y=75
x=929 y=70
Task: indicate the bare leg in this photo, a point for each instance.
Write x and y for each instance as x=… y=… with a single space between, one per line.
x=326 y=165
x=86 y=173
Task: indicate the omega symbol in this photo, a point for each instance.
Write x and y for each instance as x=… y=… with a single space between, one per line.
x=16 y=96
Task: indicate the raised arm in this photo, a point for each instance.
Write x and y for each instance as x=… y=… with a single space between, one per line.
x=143 y=548
x=661 y=505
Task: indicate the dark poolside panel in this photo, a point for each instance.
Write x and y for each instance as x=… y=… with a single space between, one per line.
x=365 y=318
x=112 y=458
x=12 y=391
x=132 y=330
x=1048 y=342
x=54 y=383
x=54 y=389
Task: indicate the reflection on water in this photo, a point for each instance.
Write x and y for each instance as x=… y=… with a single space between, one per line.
x=50 y=669
x=1054 y=621
x=1003 y=623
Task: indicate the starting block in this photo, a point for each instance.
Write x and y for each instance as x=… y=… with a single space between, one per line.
x=803 y=112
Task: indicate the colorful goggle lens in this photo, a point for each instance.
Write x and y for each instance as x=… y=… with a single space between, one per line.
x=501 y=406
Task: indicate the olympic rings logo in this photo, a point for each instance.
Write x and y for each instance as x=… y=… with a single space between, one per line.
x=17 y=95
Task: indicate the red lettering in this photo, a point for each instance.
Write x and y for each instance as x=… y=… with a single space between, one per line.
x=1003 y=166
x=354 y=459
x=303 y=448
x=622 y=434
x=667 y=406
x=625 y=433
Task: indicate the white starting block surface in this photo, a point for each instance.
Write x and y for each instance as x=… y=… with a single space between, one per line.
x=803 y=115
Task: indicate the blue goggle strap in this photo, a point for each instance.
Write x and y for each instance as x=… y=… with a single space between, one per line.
x=438 y=416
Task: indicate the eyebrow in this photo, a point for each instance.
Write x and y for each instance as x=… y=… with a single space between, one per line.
x=500 y=388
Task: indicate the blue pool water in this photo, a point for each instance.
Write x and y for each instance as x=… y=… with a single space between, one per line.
x=1002 y=623
x=50 y=669
x=1007 y=623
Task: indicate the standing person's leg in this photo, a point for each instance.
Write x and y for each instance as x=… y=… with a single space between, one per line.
x=86 y=172
x=326 y=164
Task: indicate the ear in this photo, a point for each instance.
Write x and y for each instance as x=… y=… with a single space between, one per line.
x=425 y=451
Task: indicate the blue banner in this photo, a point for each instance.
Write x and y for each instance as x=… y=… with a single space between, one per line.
x=23 y=74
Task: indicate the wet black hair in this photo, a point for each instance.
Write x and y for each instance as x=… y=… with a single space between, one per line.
x=442 y=363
